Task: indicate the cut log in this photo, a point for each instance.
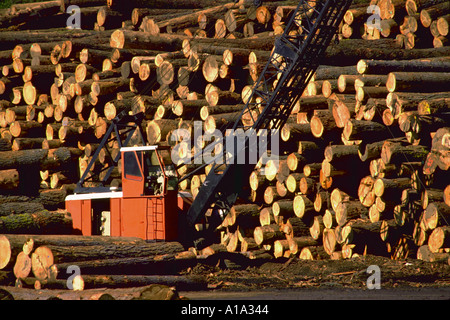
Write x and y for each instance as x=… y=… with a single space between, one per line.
x=296 y=131
x=10 y=208
x=312 y=169
x=266 y=216
x=271 y=195
x=346 y=83
x=22 y=266
x=296 y=244
x=37 y=157
x=283 y=207
x=435 y=215
x=220 y=97
x=350 y=52
x=8 y=253
x=423 y=82
x=277 y=169
x=323 y=125
x=45 y=256
x=295 y=227
x=365 y=130
x=189 y=283
x=137 y=40
x=433 y=106
x=317 y=227
x=447 y=195
x=157 y=130
x=342 y=112
x=313 y=253
x=365 y=236
x=281 y=248
x=329 y=241
x=303 y=207
x=257 y=181
x=150 y=292
x=109 y=86
x=245 y=215
x=396 y=153
x=220 y=120
x=31 y=241
x=346 y=211
x=37 y=223
x=439 y=238
x=427 y=15
x=424 y=253
x=268 y=234
x=335 y=153
x=390 y=188
x=329 y=220
x=366 y=193
x=157 y=264
x=293 y=182
x=385 y=66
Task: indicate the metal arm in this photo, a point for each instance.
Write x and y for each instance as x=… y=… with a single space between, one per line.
x=297 y=54
x=122 y=125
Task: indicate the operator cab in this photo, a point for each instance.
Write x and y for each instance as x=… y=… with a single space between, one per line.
x=144 y=171
x=146 y=206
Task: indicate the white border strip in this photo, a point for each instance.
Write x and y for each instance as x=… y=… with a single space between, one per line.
x=100 y=195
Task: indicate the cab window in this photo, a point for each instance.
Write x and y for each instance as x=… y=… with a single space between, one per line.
x=132 y=165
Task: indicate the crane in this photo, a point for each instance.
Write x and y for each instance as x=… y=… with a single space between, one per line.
x=146 y=204
x=295 y=57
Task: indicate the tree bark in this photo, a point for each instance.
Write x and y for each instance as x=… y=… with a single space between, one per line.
x=157 y=264
x=350 y=51
x=45 y=256
x=324 y=125
x=268 y=234
x=423 y=82
x=367 y=131
x=137 y=40
x=347 y=211
x=429 y=14
x=41 y=157
x=385 y=66
x=396 y=153
x=150 y=292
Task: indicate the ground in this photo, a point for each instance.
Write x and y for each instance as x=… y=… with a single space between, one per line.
x=332 y=279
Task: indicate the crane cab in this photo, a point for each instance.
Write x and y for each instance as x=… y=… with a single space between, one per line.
x=146 y=206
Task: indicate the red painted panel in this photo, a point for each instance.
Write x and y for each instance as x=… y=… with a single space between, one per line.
x=86 y=217
x=133 y=217
x=115 y=217
x=74 y=208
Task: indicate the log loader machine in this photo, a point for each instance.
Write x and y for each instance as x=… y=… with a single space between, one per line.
x=148 y=204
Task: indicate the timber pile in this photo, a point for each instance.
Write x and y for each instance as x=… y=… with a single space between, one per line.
x=89 y=262
x=412 y=23
x=365 y=153
x=368 y=173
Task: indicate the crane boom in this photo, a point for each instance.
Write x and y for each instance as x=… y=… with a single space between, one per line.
x=297 y=54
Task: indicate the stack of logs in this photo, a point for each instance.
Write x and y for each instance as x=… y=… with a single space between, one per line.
x=413 y=23
x=365 y=154
x=61 y=262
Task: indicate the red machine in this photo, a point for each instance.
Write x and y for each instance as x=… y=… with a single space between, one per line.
x=147 y=206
